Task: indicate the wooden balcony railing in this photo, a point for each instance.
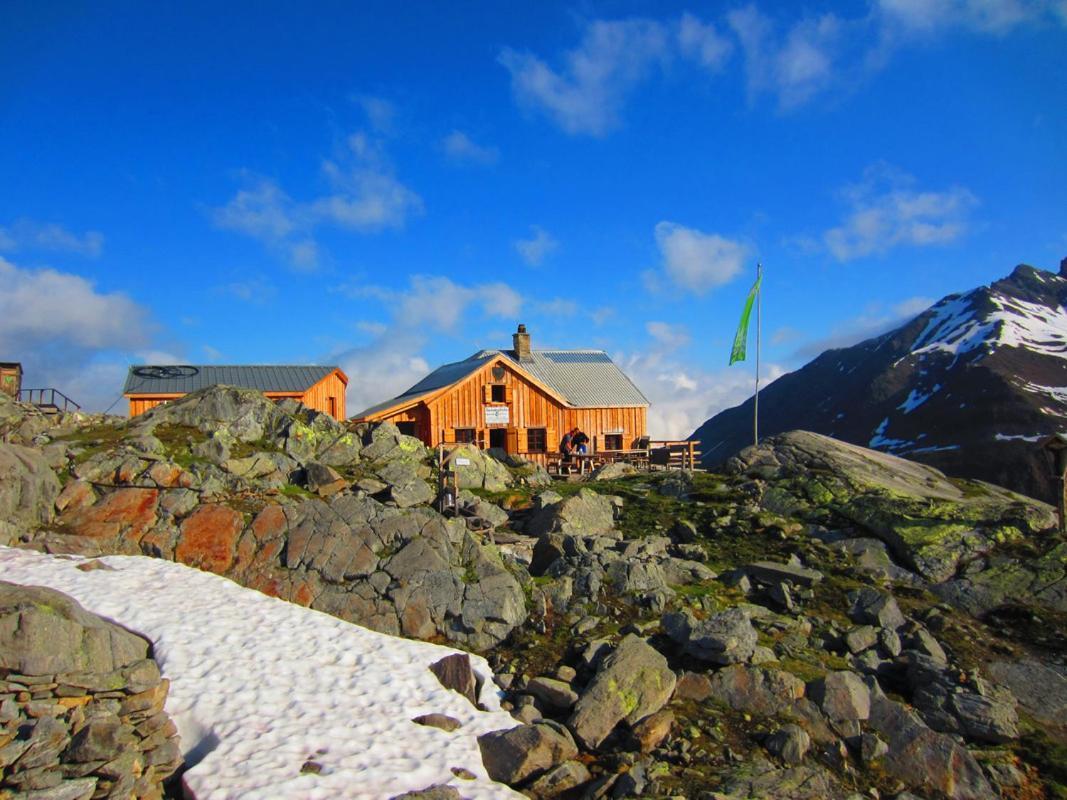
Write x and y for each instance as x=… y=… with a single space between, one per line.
x=48 y=399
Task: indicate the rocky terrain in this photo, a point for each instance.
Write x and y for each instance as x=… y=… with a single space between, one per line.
x=81 y=704
x=970 y=386
x=817 y=620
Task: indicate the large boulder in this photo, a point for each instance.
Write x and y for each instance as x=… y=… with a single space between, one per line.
x=476 y=469
x=724 y=638
x=585 y=514
x=631 y=683
x=931 y=523
x=28 y=491
x=229 y=414
x=921 y=758
x=526 y=751
x=755 y=690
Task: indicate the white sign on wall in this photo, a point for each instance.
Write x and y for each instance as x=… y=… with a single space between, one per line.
x=497 y=415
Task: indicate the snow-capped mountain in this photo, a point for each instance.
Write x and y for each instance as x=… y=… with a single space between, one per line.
x=970 y=386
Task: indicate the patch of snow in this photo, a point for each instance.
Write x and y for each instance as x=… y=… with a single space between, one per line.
x=1032 y=326
x=1057 y=393
x=934 y=449
x=955 y=327
x=840 y=415
x=272 y=685
x=1004 y=437
x=916 y=398
x=880 y=441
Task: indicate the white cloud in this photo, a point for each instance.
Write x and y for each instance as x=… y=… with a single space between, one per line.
x=698 y=261
x=261 y=210
x=26 y=234
x=559 y=307
x=683 y=396
x=458 y=146
x=366 y=197
x=795 y=66
x=874 y=321
x=535 y=249
x=986 y=16
x=885 y=212
x=436 y=303
x=586 y=94
x=67 y=334
x=255 y=290
x=382 y=369
x=430 y=306
x=668 y=337
x=380 y=112
x=702 y=42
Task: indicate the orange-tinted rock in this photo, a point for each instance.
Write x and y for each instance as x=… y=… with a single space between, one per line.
x=208 y=537
x=302 y=595
x=165 y=474
x=269 y=523
x=125 y=513
x=267 y=584
x=75 y=495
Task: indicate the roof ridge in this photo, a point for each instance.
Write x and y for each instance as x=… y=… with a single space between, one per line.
x=238 y=366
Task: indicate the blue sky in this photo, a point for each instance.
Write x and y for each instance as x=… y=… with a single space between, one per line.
x=390 y=187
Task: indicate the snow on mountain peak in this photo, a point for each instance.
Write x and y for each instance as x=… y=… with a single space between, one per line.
x=957 y=326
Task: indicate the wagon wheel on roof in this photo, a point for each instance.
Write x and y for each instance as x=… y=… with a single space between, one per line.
x=166 y=371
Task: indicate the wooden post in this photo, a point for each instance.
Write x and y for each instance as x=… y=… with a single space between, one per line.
x=1062 y=504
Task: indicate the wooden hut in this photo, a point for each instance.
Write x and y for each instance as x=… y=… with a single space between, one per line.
x=318 y=387
x=11 y=378
x=521 y=400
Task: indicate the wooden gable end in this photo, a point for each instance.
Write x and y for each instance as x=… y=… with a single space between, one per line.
x=463 y=405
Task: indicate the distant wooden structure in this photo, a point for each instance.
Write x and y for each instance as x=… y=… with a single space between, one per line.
x=319 y=387
x=1056 y=446
x=521 y=401
x=11 y=378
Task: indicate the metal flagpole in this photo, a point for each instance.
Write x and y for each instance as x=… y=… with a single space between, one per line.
x=755 y=410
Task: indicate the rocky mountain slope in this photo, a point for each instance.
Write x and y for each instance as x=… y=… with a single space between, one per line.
x=969 y=386
x=817 y=620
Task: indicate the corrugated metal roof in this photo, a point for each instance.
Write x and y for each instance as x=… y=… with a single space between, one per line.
x=584 y=378
x=182 y=379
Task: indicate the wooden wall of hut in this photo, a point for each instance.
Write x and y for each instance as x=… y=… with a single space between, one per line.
x=460 y=411
x=328 y=396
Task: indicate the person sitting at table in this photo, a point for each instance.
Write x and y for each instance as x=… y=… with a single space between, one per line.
x=566 y=445
x=580 y=442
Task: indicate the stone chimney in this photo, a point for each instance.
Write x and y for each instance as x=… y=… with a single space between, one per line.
x=521 y=340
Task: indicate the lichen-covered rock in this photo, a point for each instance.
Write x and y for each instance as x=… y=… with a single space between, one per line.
x=631 y=683
x=476 y=469
x=28 y=491
x=931 y=523
x=586 y=513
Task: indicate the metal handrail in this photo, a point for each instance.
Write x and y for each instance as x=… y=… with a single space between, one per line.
x=28 y=395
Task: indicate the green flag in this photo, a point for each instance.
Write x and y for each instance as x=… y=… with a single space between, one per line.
x=741 y=338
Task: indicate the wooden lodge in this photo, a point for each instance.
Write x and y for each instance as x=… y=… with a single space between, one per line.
x=522 y=401
x=318 y=387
